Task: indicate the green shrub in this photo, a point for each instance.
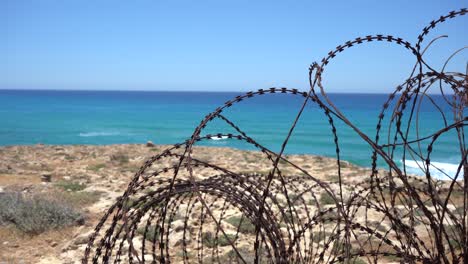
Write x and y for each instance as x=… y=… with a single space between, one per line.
x=326 y=198
x=71 y=185
x=289 y=217
x=35 y=214
x=119 y=158
x=209 y=240
x=333 y=178
x=459 y=210
x=320 y=236
x=152 y=234
x=377 y=225
x=297 y=199
x=245 y=227
x=135 y=203
x=96 y=167
x=455 y=244
x=82 y=198
x=247 y=254
x=223 y=240
x=130 y=203
x=356 y=261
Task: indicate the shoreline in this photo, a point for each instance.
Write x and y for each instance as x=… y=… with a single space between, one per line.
x=102 y=173
x=413 y=167
x=93 y=177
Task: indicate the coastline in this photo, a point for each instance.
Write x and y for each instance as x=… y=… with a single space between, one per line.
x=66 y=160
x=99 y=174
x=107 y=170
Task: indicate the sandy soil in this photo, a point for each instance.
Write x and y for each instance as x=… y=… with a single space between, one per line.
x=104 y=172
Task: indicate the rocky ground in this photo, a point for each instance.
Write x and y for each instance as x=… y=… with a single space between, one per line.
x=90 y=178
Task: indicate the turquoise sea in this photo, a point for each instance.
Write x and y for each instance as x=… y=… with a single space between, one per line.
x=114 y=117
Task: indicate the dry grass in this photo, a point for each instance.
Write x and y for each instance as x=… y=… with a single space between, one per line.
x=34 y=214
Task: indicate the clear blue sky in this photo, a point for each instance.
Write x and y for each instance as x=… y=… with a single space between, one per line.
x=213 y=45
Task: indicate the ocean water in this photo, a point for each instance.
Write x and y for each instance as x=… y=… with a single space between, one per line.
x=113 y=117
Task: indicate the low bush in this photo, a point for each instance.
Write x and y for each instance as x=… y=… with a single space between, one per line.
x=34 y=214
x=152 y=233
x=209 y=240
x=82 y=198
x=320 y=236
x=247 y=254
x=119 y=158
x=326 y=198
x=70 y=185
x=245 y=227
x=96 y=167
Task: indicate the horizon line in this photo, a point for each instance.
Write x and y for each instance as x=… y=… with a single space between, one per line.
x=194 y=91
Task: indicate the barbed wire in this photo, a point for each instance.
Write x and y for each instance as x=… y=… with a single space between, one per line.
x=197 y=211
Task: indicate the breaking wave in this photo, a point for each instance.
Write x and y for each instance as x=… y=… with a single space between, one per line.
x=98 y=134
x=438 y=170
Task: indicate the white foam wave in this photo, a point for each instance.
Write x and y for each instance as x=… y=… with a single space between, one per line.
x=98 y=134
x=218 y=138
x=436 y=169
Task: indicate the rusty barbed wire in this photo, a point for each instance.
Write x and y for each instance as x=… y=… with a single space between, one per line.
x=198 y=211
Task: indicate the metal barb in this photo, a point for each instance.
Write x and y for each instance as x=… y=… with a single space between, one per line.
x=180 y=208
